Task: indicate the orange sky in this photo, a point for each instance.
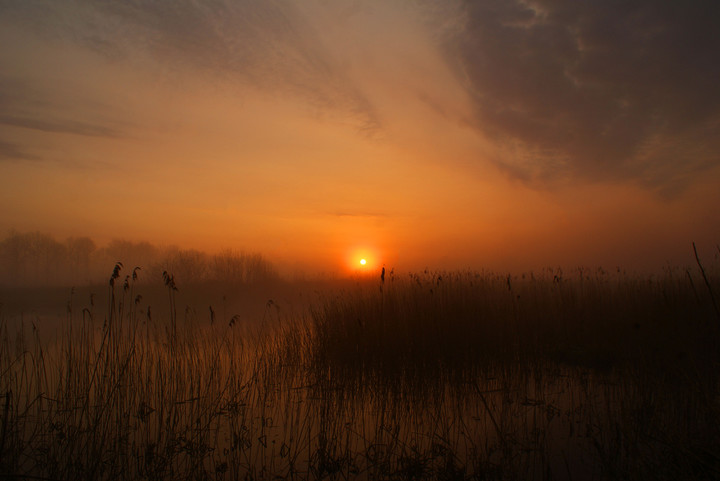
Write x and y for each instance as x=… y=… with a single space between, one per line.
x=318 y=132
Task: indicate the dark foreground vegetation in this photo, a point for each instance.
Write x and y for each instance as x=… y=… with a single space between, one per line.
x=457 y=375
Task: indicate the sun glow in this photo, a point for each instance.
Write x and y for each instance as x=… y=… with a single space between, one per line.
x=362 y=260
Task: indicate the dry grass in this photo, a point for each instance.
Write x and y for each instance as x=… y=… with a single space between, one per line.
x=431 y=376
x=457 y=320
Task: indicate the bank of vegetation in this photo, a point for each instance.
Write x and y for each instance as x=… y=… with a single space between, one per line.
x=437 y=375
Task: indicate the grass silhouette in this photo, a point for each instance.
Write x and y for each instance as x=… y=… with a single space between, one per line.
x=437 y=375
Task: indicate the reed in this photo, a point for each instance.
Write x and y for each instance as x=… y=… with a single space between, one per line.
x=450 y=321
x=445 y=375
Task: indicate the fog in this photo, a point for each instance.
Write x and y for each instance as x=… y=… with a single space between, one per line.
x=35 y=259
x=43 y=279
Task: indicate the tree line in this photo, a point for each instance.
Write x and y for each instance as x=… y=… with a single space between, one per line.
x=39 y=259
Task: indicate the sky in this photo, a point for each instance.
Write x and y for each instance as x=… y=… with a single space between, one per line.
x=489 y=134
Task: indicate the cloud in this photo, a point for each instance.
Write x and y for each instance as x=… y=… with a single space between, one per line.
x=593 y=90
x=60 y=126
x=369 y=214
x=561 y=90
x=24 y=106
x=271 y=45
x=10 y=151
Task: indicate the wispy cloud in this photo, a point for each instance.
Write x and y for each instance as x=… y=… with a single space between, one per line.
x=562 y=91
x=12 y=152
x=271 y=45
x=358 y=214
x=60 y=126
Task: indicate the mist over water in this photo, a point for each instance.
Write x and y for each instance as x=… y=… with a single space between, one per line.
x=44 y=281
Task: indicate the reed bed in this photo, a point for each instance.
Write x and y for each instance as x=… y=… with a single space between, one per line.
x=449 y=321
x=452 y=375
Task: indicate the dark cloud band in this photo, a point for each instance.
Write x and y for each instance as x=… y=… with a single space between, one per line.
x=588 y=89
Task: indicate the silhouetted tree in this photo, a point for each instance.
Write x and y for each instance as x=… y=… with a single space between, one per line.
x=79 y=253
x=187 y=265
x=239 y=267
x=32 y=258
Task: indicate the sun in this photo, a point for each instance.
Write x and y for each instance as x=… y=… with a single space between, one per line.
x=360 y=260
